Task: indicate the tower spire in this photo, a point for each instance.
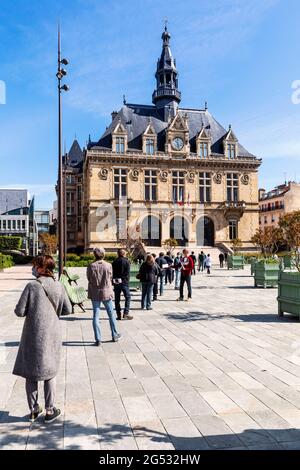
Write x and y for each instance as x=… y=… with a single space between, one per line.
x=166 y=95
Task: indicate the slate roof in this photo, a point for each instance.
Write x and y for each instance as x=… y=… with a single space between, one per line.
x=74 y=157
x=135 y=119
x=75 y=154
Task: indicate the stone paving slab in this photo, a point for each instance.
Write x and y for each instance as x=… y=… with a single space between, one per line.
x=219 y=372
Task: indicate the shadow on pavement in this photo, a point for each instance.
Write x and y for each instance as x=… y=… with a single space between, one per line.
x=247 y=317
x=71 y=435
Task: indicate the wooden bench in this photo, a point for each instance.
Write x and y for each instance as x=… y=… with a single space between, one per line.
x=77 y=295
x=71 y=277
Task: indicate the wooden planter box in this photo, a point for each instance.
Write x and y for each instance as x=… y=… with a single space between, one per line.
x=235 y=262
x=266 y=274
x=289 y=293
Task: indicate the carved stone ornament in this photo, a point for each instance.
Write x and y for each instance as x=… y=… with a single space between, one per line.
x=134 y=174
x=245 y=178
x=218 y=178
x=191 y=176
x=103 y=173
x=163 y=175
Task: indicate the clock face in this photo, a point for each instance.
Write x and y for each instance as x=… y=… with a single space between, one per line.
x=177 y=143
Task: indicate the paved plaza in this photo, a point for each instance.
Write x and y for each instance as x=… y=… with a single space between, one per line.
x=219 y=372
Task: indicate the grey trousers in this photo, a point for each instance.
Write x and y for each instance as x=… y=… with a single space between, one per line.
x=32 y=394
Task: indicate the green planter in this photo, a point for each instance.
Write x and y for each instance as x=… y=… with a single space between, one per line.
x=266 y=274
x=134 y=283
x=134 y=268
x=235 y=262
x=287 y=262
x=253 y=262
x=289 y=293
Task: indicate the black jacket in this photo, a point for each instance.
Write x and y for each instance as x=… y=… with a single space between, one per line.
x=161 y=260
x=169 y=260
x=149 y=273
x=121 y=269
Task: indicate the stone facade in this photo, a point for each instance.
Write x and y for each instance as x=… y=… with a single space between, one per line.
x=277 y=202
x=162 y=171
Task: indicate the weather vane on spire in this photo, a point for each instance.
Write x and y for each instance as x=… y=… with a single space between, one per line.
x=166 y=22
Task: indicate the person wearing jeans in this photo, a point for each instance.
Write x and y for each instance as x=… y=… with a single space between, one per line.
x=148 y=276
x=147 y=292
x=96 y=319
x=186 y=273
x=177 y=267
x=99 y=274
x=163 y=264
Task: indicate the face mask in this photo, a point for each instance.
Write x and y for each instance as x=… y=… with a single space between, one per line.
x=34 y=272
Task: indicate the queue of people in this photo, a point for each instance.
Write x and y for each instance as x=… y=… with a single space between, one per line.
x=44 y=301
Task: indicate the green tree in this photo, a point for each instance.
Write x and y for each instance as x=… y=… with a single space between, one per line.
x=49 y=243
x=170 y=244
x=290 y=225
x=236 y=244
x=268 y=240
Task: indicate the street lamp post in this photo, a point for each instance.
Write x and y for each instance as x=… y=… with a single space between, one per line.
x=61 y=72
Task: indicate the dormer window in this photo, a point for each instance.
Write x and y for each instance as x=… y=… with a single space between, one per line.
x=149 y=140
x=230 y=145
x=203 y=149
x=231 y=151
x=149 y=146
x=120 y=145
x=119 y=139
x=203 y=142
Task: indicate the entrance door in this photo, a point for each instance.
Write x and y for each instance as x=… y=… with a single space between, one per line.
x=205 y=232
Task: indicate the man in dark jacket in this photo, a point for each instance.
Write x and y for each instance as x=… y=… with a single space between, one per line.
x=163 y=264
x=168 y=272
x=121 y=275
x=221 y=259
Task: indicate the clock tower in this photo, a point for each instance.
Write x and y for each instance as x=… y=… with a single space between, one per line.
x=166 y=97
x=177 y=136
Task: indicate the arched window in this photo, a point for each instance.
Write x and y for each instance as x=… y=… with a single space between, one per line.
x=179 y=230
x=151 y=231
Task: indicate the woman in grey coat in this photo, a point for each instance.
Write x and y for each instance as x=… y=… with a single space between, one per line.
x=41 y=303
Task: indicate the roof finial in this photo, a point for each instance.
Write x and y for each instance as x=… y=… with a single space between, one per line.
x=75 y=137
x=166 y=23
x=124 y=99
x=229 y=127
x=90 y=138
x=205 y=105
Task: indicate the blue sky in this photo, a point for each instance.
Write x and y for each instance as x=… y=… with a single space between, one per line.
x=239 y=55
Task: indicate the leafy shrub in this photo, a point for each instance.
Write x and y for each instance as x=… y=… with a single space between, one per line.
x=270 y=261
x=6 y=261
x=81 y=261
x=87 y=257
x=10 y=243
x=21 y=259
x=72 y=257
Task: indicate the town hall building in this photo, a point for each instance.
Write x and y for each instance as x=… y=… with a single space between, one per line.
x=161 y=171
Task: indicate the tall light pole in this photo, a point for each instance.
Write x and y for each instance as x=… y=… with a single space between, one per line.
x=61 y=72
